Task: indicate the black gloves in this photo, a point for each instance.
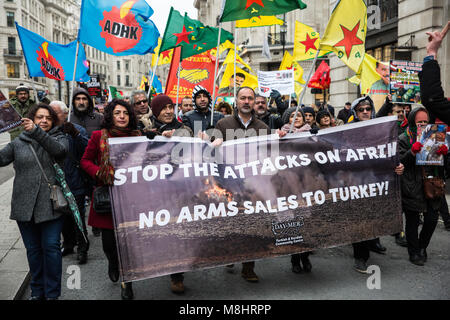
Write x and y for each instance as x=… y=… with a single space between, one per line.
x=70 y=129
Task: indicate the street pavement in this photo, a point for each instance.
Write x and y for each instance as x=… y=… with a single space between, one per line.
x=13 y=260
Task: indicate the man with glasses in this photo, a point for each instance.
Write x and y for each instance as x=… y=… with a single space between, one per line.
x=144 y=115
x=22 y=103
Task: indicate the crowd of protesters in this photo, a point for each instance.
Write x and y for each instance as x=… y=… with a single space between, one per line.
x=81 y=147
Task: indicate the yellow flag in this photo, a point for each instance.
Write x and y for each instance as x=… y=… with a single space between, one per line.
x=144 y=80
x=306 y=42
x=346 y=32
x=286 y=63
x=230 y=59
x=259 y=21
x=249 y=81
x=164 y=58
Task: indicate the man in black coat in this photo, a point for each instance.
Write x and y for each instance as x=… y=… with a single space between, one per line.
x=273 y=121
x=430 y=81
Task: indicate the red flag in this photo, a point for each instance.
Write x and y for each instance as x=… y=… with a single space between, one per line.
x=195 y=70
x=321 y=79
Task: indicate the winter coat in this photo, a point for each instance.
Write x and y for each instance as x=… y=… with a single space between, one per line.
x=23 y=110
x=31 y=193
x=413 y=197
x=235 y=123
x=193 y=116
x=90 y=120
x=72 y=168
x=90 y=163
x=431 y=91
x=273 y=121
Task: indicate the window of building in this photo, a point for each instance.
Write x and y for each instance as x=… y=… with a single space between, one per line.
x=127 y=66
x=9 y=19
x=118 y=80
x=127 y=81
x=118 y=65
x=12 y=69
x=12 y=45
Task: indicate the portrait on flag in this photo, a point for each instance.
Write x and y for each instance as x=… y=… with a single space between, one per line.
x=9 y=117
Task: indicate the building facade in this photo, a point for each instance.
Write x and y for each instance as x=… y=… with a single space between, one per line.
x=400 y=34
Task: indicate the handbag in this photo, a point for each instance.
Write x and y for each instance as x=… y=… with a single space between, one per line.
x=433 y=187
x=59 y=202
x=101 y=200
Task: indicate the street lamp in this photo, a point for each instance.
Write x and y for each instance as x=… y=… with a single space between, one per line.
x=283 y=31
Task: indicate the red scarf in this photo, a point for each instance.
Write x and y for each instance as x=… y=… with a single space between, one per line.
x=106 y=172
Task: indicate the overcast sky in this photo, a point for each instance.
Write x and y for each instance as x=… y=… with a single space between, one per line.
x=162 y=8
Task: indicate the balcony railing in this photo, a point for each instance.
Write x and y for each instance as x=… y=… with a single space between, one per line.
x=14 y=53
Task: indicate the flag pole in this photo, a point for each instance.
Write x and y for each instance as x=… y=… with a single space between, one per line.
x=153 y=76
x=215 y=75
x=73 y=79
x=304 y=89
x=178 y=83
x=235 y=48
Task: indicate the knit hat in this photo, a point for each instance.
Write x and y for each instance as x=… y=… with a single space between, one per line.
x=321 y=114
x=309 y=110
x=158 y=103
x=22 y=87
x=197 y=90
x=288 y=112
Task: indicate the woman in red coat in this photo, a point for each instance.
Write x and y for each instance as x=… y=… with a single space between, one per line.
x=119 y=121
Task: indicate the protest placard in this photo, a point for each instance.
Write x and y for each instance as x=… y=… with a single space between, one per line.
x=281 y=80
x=9 y=117
x=181 y=205
x=404 y=81
x=432 y=137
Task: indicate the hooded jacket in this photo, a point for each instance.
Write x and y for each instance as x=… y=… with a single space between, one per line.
x=23 y=110
x=413 y=198
x=354 y=117
x=89 y=119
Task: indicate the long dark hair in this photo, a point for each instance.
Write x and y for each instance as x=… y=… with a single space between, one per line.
x=108 y=121
x=32 y=113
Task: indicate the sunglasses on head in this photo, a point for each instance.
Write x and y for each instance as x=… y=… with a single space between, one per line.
x=368 y=109
x=142 y=101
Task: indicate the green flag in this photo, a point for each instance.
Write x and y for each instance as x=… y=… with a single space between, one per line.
x=190 y=34
x=247 y=9
x=114 y=94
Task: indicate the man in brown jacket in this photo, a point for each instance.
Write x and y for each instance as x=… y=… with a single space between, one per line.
x=241 y=125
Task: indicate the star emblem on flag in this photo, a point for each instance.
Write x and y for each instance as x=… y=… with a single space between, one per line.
x=350 y=39
x=309 y=43
x=251 y=2
x=182 y=36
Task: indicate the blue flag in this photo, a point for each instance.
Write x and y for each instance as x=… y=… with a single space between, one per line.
x=52 y=60
x=118 y=27
x=156 y=84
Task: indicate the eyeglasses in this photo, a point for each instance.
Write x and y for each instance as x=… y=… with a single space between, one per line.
x=368 y=109
x=140 y=102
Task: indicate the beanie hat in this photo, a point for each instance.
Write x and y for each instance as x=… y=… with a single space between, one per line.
x=309 y=110
x=321 y=114
x=288 y=112
x=22 y=87
x=158 y=103
x=197 y=90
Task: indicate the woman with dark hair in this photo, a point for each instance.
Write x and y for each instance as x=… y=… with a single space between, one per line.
x=39 y=225
x=119 y=121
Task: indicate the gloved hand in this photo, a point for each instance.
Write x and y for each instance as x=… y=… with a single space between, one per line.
x=314 y=131
x=443 y=150
x=70 y=129
x=416 y=147
x=275 y=95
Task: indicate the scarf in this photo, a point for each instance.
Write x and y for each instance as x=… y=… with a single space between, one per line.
x=106 y=172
